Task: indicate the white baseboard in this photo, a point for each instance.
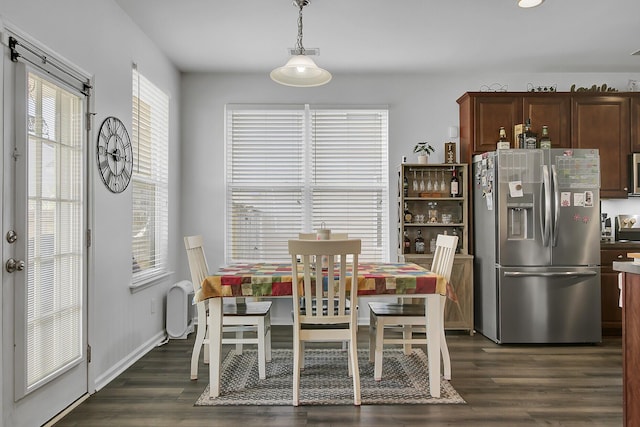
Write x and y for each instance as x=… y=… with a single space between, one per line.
x=129 y=360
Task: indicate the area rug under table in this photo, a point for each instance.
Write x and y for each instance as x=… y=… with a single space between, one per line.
x=324 y=380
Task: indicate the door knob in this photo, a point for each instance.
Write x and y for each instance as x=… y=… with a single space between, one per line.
x=13 y=265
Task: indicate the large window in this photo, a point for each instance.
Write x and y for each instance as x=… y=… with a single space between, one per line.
x=299 y=168
x=150 y=180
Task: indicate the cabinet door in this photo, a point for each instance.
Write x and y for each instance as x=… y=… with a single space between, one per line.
x=492 y=112
x=551 y=111
x=603 y=122
x=611 y=311
x=635 y=124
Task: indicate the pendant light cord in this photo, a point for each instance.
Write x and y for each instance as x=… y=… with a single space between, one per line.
x=299 y=46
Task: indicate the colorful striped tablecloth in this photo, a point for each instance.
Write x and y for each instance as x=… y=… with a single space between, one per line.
x=274 y=280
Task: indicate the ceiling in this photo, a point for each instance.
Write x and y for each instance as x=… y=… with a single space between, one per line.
x=396 y=36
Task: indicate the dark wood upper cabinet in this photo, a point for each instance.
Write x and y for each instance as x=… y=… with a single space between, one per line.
x=481 y=116
x=551 y=111
x=603 y=122
x=635 y=124
x=609 y=122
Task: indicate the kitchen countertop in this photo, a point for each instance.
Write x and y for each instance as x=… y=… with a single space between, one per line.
x=620 y=244
x=626 y=266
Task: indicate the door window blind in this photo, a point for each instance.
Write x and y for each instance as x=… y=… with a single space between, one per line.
x=150 y=179
x=297 y=168
x=54 y=301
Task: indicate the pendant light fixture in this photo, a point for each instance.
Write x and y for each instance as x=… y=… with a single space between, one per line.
x=529 y=3
x=300 y=70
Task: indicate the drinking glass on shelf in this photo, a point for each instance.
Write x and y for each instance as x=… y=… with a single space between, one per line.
x=415 y=182
x=429 y=183
x=421 y=180
x=443 y=185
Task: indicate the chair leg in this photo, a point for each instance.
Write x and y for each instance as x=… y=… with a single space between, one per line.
x=372 y=336
x=406 y=335
x=268 y=338
x=239 y=335
x=377 y=368
x=195 y=355
x=297 y=357
x=206 y=346
x=262 y=357
x=353 y=356
x=444 y=348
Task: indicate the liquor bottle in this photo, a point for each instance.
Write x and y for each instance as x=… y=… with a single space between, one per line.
x=455 y=233
x=530 y=137
x=545 y=141
x=419 y=243
x=408 y=216
x=432 y=246
x=454 y=185
x=407 y=243
x=405 y=187
x=503 y=144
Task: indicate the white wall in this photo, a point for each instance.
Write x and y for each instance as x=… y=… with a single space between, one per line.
x=99 y=37
x=422 y=107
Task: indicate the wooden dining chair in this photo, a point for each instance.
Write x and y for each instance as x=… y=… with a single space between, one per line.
x=332 y=236
x=410 y=317
x=336 y=323
x=238 y=317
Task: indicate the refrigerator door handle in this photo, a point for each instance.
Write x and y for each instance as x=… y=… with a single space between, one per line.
x=550 y=274
x=545 y=208
x=556 y=205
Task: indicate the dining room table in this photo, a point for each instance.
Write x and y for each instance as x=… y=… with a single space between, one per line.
x=273 y=280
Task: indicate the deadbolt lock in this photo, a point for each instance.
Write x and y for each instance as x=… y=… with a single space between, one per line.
x=11 y=236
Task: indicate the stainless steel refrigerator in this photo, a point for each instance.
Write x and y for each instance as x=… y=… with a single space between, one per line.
x=537 y=246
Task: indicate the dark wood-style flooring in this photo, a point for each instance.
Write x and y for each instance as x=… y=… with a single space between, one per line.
x=509 y=385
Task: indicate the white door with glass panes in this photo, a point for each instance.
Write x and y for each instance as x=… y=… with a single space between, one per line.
x=44 y=244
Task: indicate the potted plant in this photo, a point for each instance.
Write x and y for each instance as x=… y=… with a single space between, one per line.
x=423 y=149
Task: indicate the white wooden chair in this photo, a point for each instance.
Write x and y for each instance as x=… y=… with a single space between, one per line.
x=410 y=317
x=335 y=324
x=238 y=317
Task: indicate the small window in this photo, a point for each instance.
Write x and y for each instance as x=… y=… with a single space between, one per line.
x=150 y=180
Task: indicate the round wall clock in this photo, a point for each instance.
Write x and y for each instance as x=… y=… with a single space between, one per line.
x=114 y=155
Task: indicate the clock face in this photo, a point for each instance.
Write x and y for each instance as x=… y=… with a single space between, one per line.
x=115 y=156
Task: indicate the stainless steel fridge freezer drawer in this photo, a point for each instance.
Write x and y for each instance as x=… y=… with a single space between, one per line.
x=549 y=305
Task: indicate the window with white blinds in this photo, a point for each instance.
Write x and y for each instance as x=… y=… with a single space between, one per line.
x=150 y=179
x=297 y=168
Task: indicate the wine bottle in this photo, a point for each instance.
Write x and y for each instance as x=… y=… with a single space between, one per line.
x=408 y=216
x=405 y=187
x=503 y=143
x=432 y=246
x=419 y=243
x=407 y=243
x=455 y=233
x=454 y=186
x=545 y=141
